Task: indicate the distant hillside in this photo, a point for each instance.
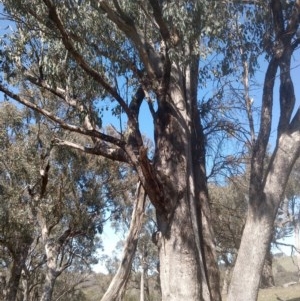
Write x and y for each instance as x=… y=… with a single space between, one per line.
x=285 y=270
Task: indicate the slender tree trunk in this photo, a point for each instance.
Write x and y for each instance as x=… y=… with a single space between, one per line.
x=250 y=260
x=48 y=286
x=262 y=211
x=144 y=289
x=52 y=249
x=117 y=286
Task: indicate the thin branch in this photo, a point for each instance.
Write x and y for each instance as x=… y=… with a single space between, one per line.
x=64 y=95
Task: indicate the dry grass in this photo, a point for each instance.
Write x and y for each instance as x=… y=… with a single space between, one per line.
x=291 y=293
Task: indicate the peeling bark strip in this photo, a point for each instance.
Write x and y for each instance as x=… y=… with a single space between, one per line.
x=117 y=287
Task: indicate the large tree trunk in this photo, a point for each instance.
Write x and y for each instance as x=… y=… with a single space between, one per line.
x=179 y=259
x=186 y=248
x=117 y=286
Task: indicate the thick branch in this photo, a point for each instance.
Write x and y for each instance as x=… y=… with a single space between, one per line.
x=286 y=91
x=295 y=123
x=136 y=101
x=110 y=153
x=164 y=31
x=294 y=20
x=64 y=95
x=287 y=94
x=73 y=128
x=44 y=172
x=276 y=7
x=260 y=147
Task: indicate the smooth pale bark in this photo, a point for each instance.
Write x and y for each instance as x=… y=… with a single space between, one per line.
x=226 y=280
x=52 y=272
x=179 y=261
x=117 y=286
x=26 y=291
x=261 y=216
x=52 y=249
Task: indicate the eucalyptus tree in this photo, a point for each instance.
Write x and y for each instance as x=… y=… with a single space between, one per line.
x=94 y=54
x=64 y=217
x=90 y=57
x=274 y=33
x=16 y=227
x=268 y=181
x=51 y=206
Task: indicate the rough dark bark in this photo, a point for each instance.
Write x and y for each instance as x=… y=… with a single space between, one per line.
x=185 y=244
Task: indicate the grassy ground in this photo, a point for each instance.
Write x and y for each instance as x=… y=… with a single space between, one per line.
x=284 y=270
x=291 y=293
